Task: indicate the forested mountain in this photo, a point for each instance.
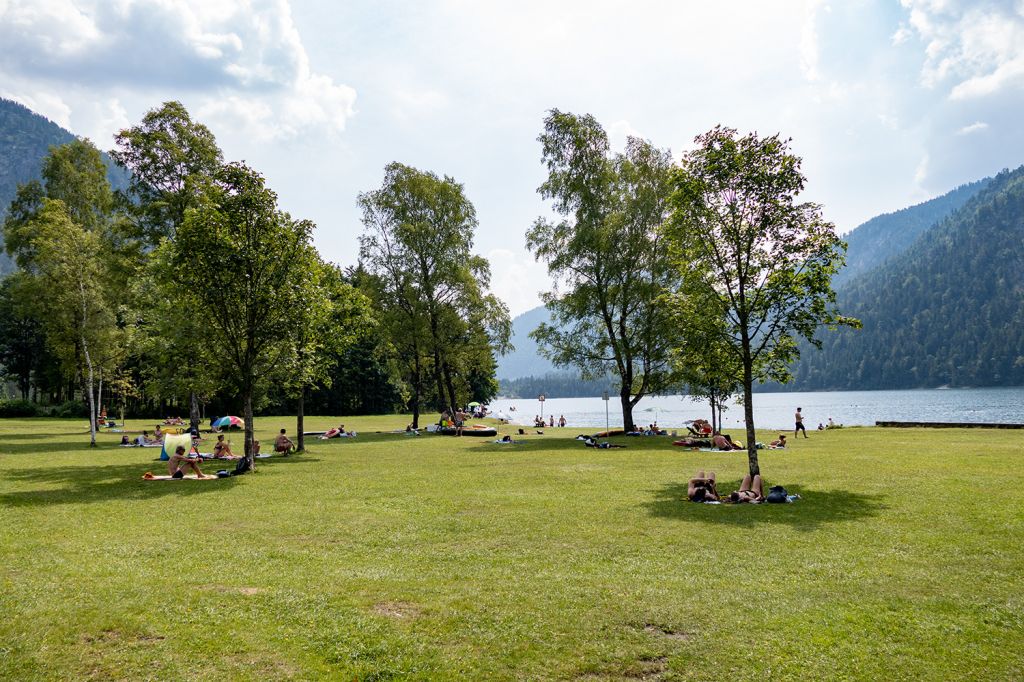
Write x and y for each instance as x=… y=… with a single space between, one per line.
x=525 y=360
x=25 y=138
x=556 y=385
x=949 y=310
x=890 y=234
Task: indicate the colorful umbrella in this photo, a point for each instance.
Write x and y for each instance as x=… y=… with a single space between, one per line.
x=474 y=404
x=225 y=422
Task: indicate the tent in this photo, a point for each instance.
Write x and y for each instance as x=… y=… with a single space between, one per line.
x=171 y=443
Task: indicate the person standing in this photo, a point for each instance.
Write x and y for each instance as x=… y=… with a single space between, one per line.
x=799 y=423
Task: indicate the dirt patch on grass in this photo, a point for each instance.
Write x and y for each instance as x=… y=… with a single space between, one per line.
x=399 y=610
x=111 y=636
x=666 y=631
x=644 y=668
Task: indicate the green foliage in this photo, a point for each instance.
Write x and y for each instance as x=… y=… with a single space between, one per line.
x=170 y=157
x=254 y=269
x=22 y=342
x=431 y=290
x=556 y=385
x=888 y=235
x=755 y=265
x=948 y=311
x=19 y=408
x=606 y=256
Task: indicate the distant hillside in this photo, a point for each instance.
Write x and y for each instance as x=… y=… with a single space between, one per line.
x=525 y=360
x=25 y=138
x=890 y=234
x=949 y=310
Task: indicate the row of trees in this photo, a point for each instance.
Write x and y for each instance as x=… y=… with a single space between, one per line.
x=703 y=273
x=193 y=285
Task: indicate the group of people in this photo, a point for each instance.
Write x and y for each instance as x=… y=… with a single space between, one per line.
x=703 y=488
x=538 y=421
x=181 y=459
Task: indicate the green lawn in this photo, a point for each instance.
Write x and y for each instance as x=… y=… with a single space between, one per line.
x=392 y=557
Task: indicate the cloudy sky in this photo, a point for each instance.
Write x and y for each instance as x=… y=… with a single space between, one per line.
x=889 y=102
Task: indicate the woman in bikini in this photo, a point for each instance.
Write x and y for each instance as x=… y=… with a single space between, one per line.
x=222 y=450
x=702 y=488
x=751 y=491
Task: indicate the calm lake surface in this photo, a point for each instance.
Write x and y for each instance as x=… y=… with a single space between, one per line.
x=775 y=410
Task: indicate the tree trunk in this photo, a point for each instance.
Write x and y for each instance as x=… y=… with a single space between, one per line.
x=92 y=398
x=417 y=379
x=627 y=409
x=450 y=386
x=748 y=413
x=193 y=411
x=300 y=419
x=247 y=411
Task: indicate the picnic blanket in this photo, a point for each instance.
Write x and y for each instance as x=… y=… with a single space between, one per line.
x=187 y=477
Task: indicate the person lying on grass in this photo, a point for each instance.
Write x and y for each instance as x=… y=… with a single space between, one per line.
x=283 y=444
x=702 y=488
x=751 y=491
x=780 y=443
x=180 y=459
x=723 y=442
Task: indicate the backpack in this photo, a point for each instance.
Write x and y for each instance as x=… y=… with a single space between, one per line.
x=244 y=466
x=777 y=495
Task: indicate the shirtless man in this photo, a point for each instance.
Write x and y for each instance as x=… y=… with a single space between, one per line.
x=723 y=442
x=283 y=444
x=799 y=423
x=180 y=459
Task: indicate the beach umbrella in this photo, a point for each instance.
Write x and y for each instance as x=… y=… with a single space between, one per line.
x=473 y=404
x=225 y=422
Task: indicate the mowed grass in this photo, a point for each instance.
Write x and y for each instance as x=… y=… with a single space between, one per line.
x=393 y=557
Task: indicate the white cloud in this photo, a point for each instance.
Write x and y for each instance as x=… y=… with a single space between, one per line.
x=974 y=49
x=975 y=127
x=517 y=279
x=619 y=133
x=243 y=63
x=809 y=41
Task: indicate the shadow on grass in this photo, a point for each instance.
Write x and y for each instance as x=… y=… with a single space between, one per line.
x=101 y=483
x=815 y=508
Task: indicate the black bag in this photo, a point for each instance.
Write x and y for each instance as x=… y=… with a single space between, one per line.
x=777 y=495
x=244 y=466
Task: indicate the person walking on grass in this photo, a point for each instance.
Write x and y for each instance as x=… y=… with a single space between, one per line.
x=799 y=423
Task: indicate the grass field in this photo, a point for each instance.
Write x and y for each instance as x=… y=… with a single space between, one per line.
x=392 y=557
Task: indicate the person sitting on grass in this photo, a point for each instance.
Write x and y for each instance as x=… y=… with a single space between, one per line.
x=222 y=449
x=724 y=442
x=124 y=440
x=179 y=459
x=702 y=488
x=283 y=444
x=751 y=491
x=780 y=443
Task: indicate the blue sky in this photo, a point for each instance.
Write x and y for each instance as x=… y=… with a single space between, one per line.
x=888 y=102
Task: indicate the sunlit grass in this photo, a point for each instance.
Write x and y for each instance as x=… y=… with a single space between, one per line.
x=389 y=556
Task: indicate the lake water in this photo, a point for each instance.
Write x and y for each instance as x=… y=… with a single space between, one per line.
x=775 y=410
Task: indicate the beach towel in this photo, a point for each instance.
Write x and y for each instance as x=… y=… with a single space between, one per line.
x=188 y=477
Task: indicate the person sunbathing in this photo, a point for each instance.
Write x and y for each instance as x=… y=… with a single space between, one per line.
x=780 y=443
x=335 y=432
x=222 y=449
x=702 y=488
x=180 y=459
x=724 y=442
x=751 y=491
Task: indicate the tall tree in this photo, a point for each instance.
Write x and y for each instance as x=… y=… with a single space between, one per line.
x=22 y=342
x=606 y=256
x=170 y=158
x=418 y=243
x=69 y=267
x=758 y=264
x=250 y=267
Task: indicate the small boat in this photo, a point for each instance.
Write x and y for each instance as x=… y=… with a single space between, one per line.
x=473 y=430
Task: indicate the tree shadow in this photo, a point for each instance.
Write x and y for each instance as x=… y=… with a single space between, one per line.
x=813 y=510
x=101 y=483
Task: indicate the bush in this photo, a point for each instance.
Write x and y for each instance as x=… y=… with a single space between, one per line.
x=72 y=408
x=19 y=408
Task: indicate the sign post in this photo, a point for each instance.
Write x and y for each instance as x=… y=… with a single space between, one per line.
x=604 y=397
x=541 y=399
